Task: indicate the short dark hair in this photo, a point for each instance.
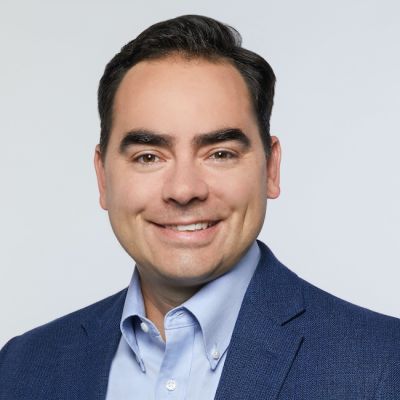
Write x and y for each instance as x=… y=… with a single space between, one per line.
x=192 y=36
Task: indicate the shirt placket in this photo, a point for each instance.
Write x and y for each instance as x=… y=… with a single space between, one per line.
x=176 y=365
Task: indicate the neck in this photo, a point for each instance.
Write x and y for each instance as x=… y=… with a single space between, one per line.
x=159 y=299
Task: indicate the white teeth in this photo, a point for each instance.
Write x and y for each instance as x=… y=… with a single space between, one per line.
x=191 y=227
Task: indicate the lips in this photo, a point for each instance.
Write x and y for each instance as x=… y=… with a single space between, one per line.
x=198 y=226
x=191 y=233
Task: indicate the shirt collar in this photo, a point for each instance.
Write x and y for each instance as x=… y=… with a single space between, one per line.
x=215 y=306
x=133 y=307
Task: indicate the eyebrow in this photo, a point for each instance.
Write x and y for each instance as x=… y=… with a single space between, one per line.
x=144 y=136
x=224 y=135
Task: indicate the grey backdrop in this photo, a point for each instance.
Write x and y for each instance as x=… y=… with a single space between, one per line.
x=337 y=221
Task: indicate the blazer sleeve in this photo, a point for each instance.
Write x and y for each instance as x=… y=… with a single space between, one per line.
x=389 y=384
x=5 y=370
x=3 y=355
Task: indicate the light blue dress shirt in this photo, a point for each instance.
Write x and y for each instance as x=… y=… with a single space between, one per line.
x=189 y=363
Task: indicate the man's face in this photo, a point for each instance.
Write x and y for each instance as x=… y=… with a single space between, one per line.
x=185 y=179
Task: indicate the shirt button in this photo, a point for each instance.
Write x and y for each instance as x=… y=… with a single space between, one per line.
x=170 y=385
x=215 y=354
x=144 y=327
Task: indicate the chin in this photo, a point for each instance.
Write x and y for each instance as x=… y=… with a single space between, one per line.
x=190 y=271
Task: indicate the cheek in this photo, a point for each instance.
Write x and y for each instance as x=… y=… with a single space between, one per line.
x=243 y=189
x=129 y=193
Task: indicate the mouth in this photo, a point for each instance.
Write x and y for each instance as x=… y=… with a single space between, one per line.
x=184 y=233
x=197 y=226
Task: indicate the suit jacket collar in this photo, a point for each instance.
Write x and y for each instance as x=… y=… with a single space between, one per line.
x=263 y=345
x=103 y=336
x=275 y=290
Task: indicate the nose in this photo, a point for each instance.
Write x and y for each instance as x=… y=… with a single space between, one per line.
x=184 y=184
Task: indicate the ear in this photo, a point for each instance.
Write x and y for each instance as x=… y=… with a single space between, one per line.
x=101 y=177
x=273 y=169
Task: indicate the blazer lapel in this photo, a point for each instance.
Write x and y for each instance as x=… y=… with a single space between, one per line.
x=263 y=346
x=103 y=335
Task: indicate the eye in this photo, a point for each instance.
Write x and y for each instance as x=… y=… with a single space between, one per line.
x=147 y=158
x=222 y=155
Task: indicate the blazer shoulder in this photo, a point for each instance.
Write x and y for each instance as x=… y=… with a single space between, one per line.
x=348 y=334
x=349 y=318
x=32 y=363
x=64 y=330
x=279 y=289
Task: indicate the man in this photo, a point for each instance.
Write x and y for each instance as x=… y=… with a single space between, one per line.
x=185 y=165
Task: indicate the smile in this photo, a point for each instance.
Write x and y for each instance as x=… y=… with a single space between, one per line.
x=191 y=227
x=191 y=233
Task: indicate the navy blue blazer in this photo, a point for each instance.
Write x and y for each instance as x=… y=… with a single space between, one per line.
x=291 y=341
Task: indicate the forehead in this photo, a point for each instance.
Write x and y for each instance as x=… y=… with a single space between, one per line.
x=182 y=97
